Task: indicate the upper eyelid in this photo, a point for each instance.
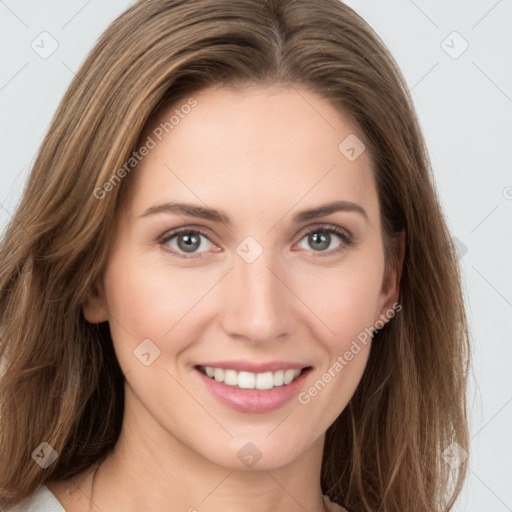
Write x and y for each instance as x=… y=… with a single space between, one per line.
x=186 y=229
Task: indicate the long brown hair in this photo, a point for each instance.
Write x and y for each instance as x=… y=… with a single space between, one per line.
x=61 y=383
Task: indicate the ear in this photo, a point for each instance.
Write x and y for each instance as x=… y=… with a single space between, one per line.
x=391 y=283
x=94 y=307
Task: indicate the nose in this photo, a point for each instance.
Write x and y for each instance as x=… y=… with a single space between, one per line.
x=256 y=303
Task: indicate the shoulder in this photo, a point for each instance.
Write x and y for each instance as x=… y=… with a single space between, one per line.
x=333 y=507
x=43 y=500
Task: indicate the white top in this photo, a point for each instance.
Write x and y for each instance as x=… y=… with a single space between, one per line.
x=43 y=500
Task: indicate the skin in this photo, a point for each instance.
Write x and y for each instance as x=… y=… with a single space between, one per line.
x=260 y=154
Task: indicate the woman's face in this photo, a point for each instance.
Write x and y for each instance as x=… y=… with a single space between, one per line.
x=253 y=284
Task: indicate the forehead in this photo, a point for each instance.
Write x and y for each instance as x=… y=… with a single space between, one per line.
x=256 y=151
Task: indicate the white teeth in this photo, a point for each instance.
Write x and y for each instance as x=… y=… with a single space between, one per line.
x=279 y=378
x=289 y=375
x=246 y=380
x=250 y=380
x=230 y=377
x=264 y=380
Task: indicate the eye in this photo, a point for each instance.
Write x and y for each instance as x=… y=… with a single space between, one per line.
x=321 y=237
x=186 y=241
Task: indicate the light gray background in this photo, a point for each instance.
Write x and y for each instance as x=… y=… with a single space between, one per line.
x=465 y=109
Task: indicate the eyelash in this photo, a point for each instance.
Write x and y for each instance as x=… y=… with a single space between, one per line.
x=345 y=236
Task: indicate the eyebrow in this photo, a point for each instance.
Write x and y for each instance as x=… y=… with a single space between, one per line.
x=203 y=212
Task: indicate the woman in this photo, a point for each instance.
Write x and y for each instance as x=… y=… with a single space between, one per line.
x=229 y=283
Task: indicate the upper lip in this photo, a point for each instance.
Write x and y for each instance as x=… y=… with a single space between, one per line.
x=250 y=366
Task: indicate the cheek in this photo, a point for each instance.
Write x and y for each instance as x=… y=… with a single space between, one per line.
x=149 y=300
x=345 y=298
x=346 y=301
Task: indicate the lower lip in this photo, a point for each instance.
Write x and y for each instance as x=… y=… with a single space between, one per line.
x=254 y=400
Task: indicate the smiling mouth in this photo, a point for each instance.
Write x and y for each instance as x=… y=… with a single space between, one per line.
x=250 y=380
